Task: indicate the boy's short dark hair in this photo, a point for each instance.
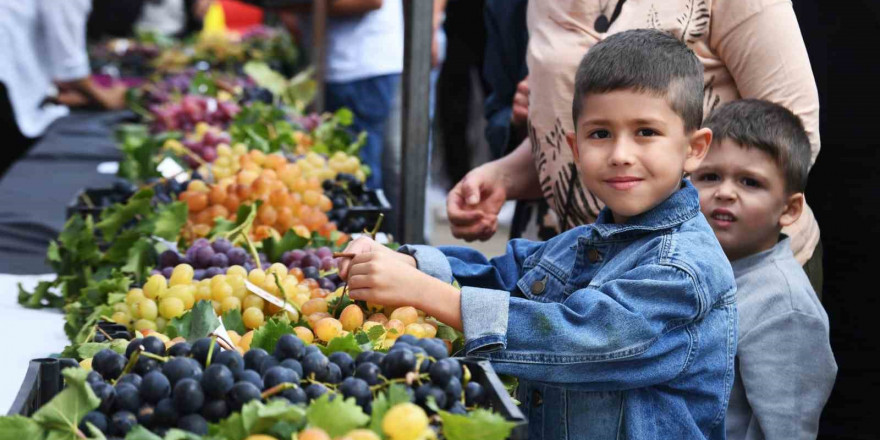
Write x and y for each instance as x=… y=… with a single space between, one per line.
x=769 y=127
x=643 y=60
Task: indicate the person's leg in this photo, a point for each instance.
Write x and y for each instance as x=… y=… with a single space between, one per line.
x=370 y=101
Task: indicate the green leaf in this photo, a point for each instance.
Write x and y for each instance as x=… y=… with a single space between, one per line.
x=336 y=417
x=64 y=412
x=265 y=77
x=89 y=349
x=19 y=428
x=346 y=343
x=232 y=321
x=337 y=305
x=113 y=218
x=141 y=433
x=202 y=84
x=259 y=418
x=267 y=336
x=170 y=220
x=194 y=324
x=396 y=394
x=274 y=248
x=119 y=249
x=479 y=424
x=141 y=255
x=344 y=116
x=42 y=296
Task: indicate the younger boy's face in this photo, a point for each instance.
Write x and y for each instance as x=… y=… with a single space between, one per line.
x=632 y=150
x=743 y=196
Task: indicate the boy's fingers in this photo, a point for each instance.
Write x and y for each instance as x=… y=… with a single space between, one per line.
x=360 y=294
x=359 y=282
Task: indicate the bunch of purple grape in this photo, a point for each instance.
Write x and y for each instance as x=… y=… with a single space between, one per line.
x=208 y=259
x=312 y=262
x=191 y=109
x=206 y=148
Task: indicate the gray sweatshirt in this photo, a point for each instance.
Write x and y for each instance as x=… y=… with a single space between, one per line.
x=784 y=366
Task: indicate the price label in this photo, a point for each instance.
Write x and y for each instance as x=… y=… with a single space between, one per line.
x=259 y=291
x=170 y=168
x=221 y=334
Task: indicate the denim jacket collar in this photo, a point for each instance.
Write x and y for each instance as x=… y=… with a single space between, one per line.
x=681 y=206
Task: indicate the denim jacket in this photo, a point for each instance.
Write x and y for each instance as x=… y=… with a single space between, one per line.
x=614 y=330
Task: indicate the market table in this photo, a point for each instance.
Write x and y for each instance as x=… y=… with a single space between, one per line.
x=36 y=190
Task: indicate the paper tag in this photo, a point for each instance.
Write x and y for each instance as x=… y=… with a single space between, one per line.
x=212 y=105
x=221 y=333
x=168 y=244
x=170 y=168
x=108 y=167
x=257 y=290
x=381 y=237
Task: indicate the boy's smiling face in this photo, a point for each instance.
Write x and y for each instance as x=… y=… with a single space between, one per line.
x=743 y=196
x=632 y=150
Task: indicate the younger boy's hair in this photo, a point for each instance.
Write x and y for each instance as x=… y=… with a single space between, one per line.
x=646 y=61
x=771 y=128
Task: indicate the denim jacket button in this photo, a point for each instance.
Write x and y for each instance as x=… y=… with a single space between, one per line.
x=538 y=286
x=593 y=255
x=536 y=398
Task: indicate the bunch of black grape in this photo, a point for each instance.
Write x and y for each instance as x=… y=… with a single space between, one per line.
x=208 y=259
x=183 y=392
x=346 y=191
x=255 y=93
x=312 y=262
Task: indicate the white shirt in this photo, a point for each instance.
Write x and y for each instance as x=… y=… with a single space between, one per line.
x=41 y=41
x=364 y=46
x=167 y=17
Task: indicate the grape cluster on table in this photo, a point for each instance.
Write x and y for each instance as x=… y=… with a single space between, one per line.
x=190 y=110
x=212 y=259
x=206 y=147
x=346 y=191
x=185 y=394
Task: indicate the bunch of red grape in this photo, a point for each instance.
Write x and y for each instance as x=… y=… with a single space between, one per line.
x=190 y=110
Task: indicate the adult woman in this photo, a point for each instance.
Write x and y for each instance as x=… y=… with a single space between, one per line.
x=748 y=49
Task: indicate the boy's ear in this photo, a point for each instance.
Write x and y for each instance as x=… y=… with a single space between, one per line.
x=700 y=141
x=570 y=138
x=794 y=207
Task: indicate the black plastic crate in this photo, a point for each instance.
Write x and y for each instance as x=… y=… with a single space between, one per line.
x=91 y=201
x=41 y=383
x=499 y=400
x=370 y=214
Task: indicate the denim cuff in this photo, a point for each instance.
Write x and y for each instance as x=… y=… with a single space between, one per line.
x=430 y=261
x=484 y=318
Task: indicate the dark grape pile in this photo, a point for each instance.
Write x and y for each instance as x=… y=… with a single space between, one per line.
x=347 y=191
x=182 y=392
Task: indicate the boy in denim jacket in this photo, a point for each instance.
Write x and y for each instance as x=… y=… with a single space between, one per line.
x=751 y=185
x=625 y=328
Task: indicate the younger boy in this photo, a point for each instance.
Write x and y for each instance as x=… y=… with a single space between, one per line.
x=625 y=328
x=752 y=185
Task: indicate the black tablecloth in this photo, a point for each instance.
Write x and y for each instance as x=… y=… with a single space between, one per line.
x=36 y=190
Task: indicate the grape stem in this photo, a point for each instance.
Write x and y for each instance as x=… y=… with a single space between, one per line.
x=155 y=356
x=389 y=382
x=87 y=200
x=377 y=226
x=277 y=389
x=103 y=332
x=132 y=360
x=210 y=351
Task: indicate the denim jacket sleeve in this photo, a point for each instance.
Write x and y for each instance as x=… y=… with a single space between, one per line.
x=627 y=333
x=485 y=285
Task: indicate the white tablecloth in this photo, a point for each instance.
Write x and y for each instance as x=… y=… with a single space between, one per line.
x=24 y=334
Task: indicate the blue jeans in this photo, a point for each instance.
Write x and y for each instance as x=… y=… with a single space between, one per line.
x=370 y=101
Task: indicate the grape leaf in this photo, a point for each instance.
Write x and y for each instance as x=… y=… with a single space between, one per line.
x=346 y=343
x=89 y=349
x=338 y=304
x=336 y=417
x=267 y=336
x=265 y=77
x=274 y=248
x=141 y=433
x=169 y=220
x=119 y=249
x=113 y=218
x=479 y=424
x=232 y=321
x=64 y=412
x=259 y=418
x=194 y=324
x=141 y=255
x=19 y=427
x=395 y=394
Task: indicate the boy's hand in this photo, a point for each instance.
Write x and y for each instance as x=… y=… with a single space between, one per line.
x=380 y=278
x=364 y=245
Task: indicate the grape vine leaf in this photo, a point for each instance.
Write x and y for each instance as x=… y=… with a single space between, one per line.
x=169 y=220
x=384 y=401
x=479 y=424
x=119 y=248
x=267 y=336
x=141 y=255
x=19 y=427
x=194 y=324
x=141 y=433
x=265 y=77
x=336 y=417
x=346 y=343
x=114 y=217
x=274 y=248
x=258 y=418
x=89 y=349
x=63 y=413
x=232 y=321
